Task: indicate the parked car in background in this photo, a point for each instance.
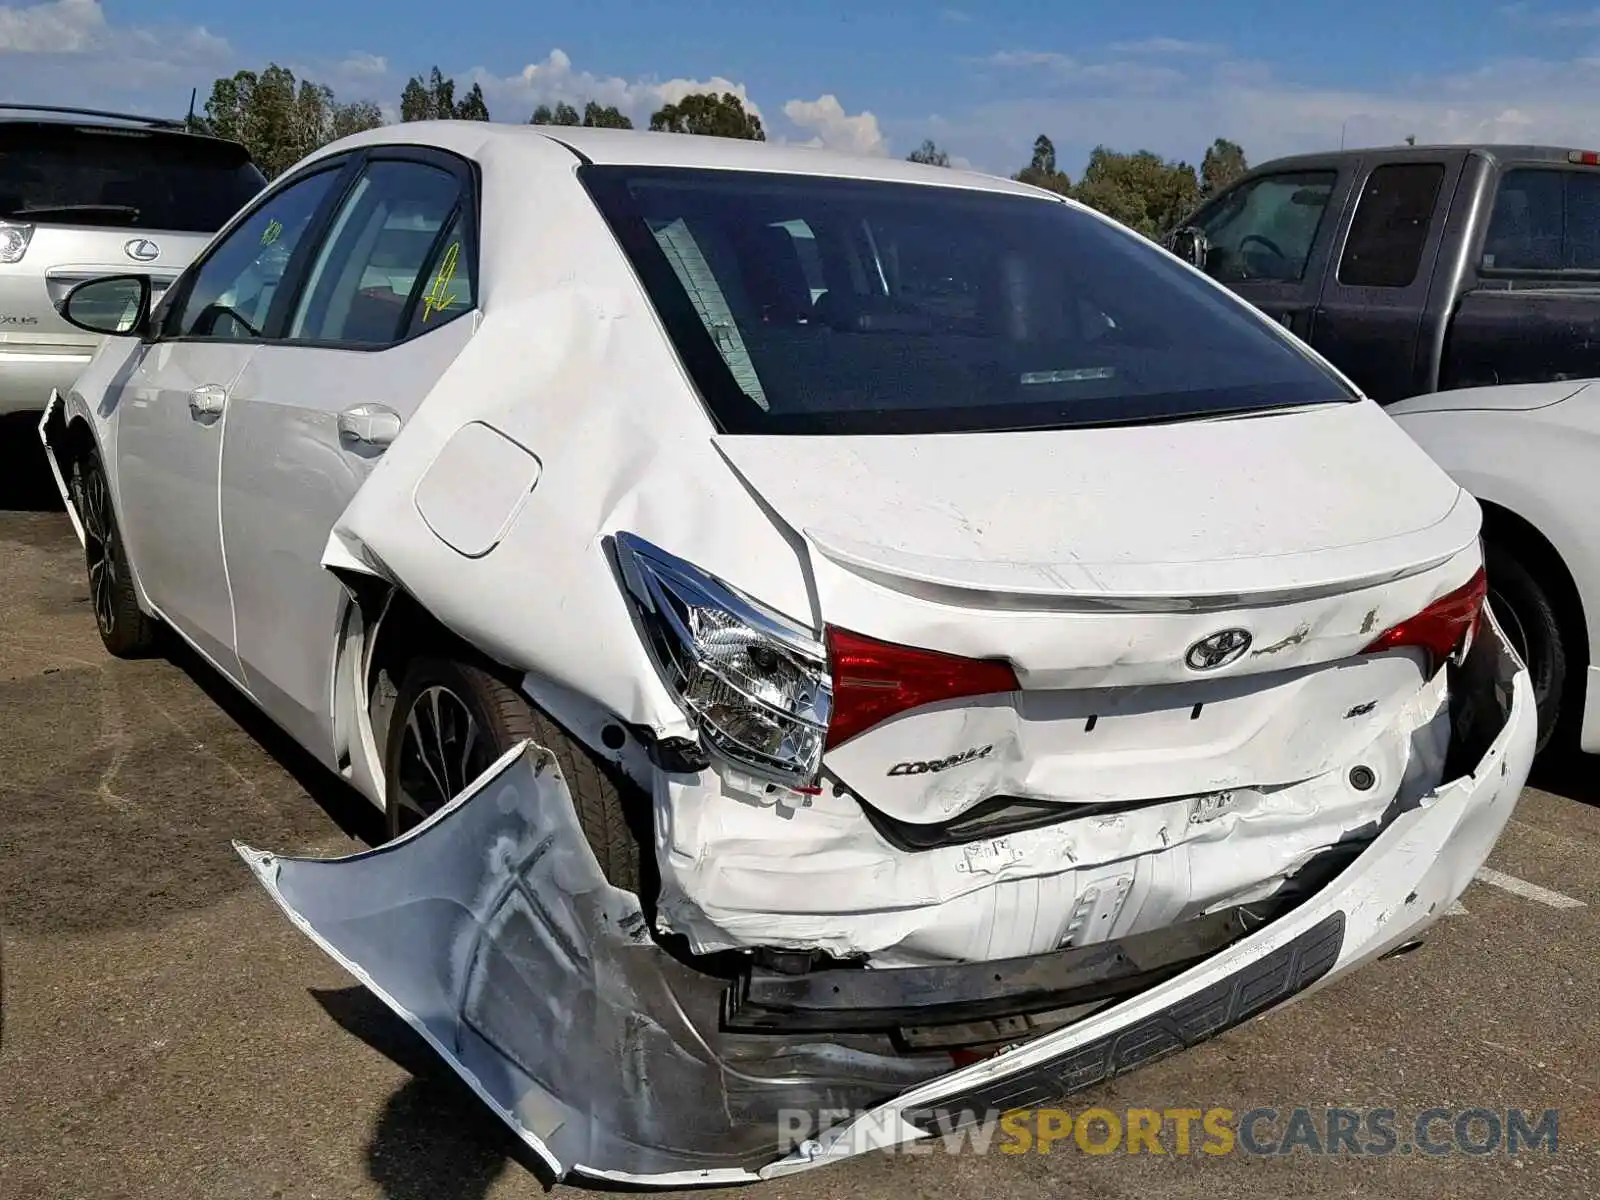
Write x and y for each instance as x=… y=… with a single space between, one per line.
x=1530 y=454
x=84 y=192
x=1418 y=269
x=733 y=567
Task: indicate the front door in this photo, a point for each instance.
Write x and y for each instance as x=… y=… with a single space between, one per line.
x=1268 y=241
x=369 y=335
x=175 y=415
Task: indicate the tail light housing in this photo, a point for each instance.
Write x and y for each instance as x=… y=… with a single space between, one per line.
x=1445 y=628
x=14 y=239
x=765 y=694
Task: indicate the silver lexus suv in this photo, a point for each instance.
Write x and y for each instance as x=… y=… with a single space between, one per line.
x=85 y=193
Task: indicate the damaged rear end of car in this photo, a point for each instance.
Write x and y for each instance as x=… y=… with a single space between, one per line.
x=1034 y=664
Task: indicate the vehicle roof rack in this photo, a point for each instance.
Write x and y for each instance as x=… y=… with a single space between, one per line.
x=135 y=118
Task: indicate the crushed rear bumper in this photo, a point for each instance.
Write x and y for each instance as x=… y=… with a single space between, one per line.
x=491 y=930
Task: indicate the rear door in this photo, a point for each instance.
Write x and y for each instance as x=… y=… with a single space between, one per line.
x=1269 y=238
x=1371 y=312
x=372 y=329
x=78 y=202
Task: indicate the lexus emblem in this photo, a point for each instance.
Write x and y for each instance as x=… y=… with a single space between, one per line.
x=142 y=250
x=1218 y=650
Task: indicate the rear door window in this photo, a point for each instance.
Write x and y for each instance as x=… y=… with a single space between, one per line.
x=1390 y=228
x=1545 y=219
x=56 y=173
x=393 y=263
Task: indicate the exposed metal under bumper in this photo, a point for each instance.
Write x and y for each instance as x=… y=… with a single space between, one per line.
x=844 y=1000
x=1269 y=980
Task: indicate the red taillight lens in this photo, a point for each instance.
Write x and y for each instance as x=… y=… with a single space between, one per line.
x=873 y=680
x=1443 y=625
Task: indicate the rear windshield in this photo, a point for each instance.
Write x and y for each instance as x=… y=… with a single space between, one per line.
x=814 y=305
x=126 y=179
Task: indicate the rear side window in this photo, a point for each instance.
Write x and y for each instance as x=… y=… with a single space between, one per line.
x=813 y=305
x=56 y=173
x=1390 y=228
x=1545 y=220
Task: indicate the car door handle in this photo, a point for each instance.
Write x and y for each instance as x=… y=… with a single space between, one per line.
x=208 y=400
x=369 y=424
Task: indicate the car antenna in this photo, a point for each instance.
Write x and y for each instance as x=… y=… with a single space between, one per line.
x=189 y=121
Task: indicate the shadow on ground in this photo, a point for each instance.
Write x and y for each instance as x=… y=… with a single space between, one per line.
x=434 y=1137
x=1568 y=773
x=26 y=484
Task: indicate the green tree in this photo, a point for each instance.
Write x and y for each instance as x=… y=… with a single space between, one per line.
x=707 y=113
x=562 y=114
x=608 y=116
x=930 y=154
x=1224 y=162
x=434 y=99
x=595 y=116
x=1041 y=170
x=281 y=119
x=1142 y=190
x=355 y=117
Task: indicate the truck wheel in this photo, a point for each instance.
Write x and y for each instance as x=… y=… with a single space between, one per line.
x=124 y=629
x=453 y=719
x=1523 y=607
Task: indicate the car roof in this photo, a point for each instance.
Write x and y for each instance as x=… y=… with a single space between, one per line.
x=641 y=148
x=47 y=116
x=1500 y=151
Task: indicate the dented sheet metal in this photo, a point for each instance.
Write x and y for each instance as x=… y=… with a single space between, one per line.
x=492 y=932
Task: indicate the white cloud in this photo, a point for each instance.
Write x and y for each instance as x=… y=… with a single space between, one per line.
x=66 y=52
x=62 y=27
x=554 y=79
x=1165 y=45
x=362 y=63
x=830 y=126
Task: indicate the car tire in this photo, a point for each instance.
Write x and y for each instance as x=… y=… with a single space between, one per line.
x=125 y=630
x=1525 y=611
x=434 y=697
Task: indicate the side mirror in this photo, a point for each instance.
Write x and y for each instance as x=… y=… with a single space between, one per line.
x=1189 y=244
x=117 y=305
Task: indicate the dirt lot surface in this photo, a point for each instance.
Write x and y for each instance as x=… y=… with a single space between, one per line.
x=167 y=1034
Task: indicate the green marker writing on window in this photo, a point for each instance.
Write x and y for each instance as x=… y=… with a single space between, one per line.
x=438 y=298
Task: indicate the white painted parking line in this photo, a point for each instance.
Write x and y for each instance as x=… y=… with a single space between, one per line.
x=1528 y=891
x=1457 y=909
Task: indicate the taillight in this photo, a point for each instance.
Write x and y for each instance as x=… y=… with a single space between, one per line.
x=1444 y=626
x=14 y=238
x=873 y=680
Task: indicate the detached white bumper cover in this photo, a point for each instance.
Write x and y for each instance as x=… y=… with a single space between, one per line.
x=491 y=930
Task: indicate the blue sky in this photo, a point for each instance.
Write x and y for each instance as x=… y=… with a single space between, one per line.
x=981 y=79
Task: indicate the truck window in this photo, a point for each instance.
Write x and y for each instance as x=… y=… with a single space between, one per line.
x=1264 y=229
x=1390 y=228
x=1545 y=220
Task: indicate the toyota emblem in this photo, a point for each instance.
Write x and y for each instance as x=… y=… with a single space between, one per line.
x=142 y=250
x=1218 y=650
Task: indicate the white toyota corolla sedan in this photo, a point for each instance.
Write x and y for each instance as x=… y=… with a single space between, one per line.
x=846 y=648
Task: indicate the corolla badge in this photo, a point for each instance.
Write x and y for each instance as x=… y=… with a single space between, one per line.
x=1218 y=650
x=142 y=250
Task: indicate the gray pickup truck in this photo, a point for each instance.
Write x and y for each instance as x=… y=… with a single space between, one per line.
x=1418 y=269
